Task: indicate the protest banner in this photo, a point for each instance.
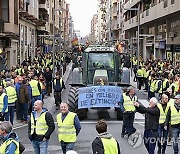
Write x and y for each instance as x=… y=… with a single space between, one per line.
x=99 y=96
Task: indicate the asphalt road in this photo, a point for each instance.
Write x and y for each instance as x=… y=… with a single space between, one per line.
x=88 y=132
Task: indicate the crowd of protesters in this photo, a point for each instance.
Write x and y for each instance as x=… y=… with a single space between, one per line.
x=31 y=81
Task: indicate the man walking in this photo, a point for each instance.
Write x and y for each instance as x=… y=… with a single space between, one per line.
x=40 y=128
x=3 y=103
x=58 y=85
x=36 y=90
x=12 y=98
x=151 y=123
x=104 y=143
x=68 y=128
x=173 y=117
x=129 y=111
x=163 y=133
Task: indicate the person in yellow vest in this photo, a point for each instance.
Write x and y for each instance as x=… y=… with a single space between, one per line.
x=10 y=139
x=3 y=103
x=104 y=143
x=140 y=77
x=68 y=128
x=128 y=111
x=173 y=117
x=163 y=133
x=58 y=85
x=152 y=86
x=135 y=63
x=40 y=128
x=36 y=90
x=12 y=98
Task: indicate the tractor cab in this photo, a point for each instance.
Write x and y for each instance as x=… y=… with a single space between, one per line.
x=101 y=65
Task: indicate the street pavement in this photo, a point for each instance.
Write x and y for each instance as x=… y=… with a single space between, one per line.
x=88 y=132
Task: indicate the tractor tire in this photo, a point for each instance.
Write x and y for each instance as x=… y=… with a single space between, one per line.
x=119 y=114
x=73 y=103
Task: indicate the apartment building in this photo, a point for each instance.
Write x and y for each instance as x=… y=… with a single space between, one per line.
x=94 y=36
x=9 y=31
x=159 y=22
x=28 y=19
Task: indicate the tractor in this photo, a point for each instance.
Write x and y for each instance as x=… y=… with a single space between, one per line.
x=100 y=65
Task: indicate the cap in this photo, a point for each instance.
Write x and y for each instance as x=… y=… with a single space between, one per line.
x=177 y=96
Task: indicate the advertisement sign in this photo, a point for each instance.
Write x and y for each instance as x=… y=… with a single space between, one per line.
x=99 y=96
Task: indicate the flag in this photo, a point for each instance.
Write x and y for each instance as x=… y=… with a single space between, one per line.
x=74 y=42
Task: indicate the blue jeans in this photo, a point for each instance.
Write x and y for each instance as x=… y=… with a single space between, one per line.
x=162 y=134
x=10 y=114
x=175 y=135
x=150 y=138
x=40 y=147
x=23 y=111
x=67 y=146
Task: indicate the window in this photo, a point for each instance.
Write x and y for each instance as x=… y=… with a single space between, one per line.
x=172 y=2
x=4 y=6
x=16 y=12
x=25 y=35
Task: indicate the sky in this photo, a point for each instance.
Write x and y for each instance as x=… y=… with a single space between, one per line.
x=82 y=12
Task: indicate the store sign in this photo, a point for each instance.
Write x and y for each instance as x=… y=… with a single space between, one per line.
x=99 y=96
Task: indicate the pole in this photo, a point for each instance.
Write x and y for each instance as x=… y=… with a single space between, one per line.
x=138 y=35
x=53 y=43
x=131 y=56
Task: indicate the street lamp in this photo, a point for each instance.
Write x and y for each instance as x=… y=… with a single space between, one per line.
x=138 y=32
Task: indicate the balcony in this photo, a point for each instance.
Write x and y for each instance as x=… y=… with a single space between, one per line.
x=23 y=8
x=131 y=4
x=153 y=13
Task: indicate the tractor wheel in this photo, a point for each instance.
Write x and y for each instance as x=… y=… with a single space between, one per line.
x=119 y=114
x=73 y=103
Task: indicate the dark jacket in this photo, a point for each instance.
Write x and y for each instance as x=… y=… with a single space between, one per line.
x=23 y=94
x=51 y=128
x=168 y=117
x=48 y=76
x=97 y=145
x=151 y=117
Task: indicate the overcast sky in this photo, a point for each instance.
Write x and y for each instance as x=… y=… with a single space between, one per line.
x=82 y=12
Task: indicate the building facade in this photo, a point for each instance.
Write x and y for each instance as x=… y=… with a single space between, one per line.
x=159 y=30
x=9 y=30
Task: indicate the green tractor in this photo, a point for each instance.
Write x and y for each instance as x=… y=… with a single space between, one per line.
x=100 y=65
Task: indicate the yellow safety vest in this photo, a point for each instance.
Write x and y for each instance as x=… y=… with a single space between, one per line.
x=153 y=86
x=128 y=103
x=4 y=146
x=4 y=83
x=40 y=128
x=135 y=62
x=163 y=113
x=34 y=86
x=110 y=146
x=140 y=72
x=66 y=128
x=176 y=85
x=175 y=115
x=163 y=85
x=61 y=80
x=11 y=93
x=2 y=102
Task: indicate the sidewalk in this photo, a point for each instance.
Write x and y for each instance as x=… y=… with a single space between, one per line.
x=48 y=101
